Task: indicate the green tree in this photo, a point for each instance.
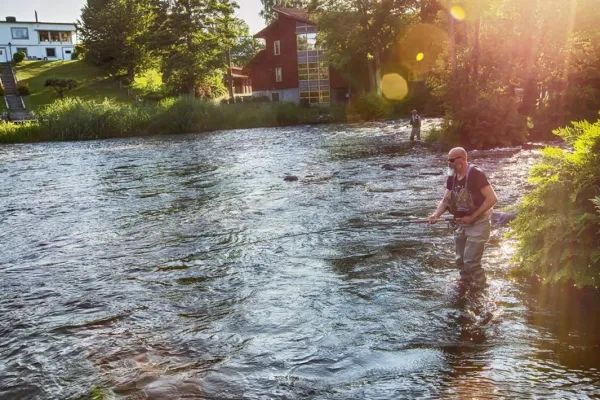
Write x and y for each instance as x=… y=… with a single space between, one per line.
x=192 y=37
x=245 y=46
x=114 y=34
x=363 y=28
x=61 y=85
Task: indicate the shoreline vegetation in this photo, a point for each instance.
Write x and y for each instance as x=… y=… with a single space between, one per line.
x=73 y=118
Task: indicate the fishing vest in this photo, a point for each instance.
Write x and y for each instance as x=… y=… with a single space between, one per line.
x=415 y=122
x=461 y=203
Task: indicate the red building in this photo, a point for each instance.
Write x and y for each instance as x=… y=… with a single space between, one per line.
x=242 y=85
x=291 y=67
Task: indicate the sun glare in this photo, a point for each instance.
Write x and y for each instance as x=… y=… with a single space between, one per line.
x=420 y=56
x=458 y=13
x=394 y=87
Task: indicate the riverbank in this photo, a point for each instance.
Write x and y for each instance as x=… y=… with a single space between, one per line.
x=78 y=119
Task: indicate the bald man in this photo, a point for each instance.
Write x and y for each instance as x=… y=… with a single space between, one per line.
x=470 y=198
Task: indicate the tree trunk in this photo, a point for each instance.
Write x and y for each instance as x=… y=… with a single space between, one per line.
x=451 y=33
x=229 y=77
x=476 y=43
x=372 y=80
x=130 y=73
x=377 y=61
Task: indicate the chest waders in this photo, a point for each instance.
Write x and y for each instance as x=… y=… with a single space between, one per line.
x=470 y=239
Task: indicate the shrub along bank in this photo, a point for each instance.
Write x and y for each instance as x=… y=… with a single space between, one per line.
x=558 y=223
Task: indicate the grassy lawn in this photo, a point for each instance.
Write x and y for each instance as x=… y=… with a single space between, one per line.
x=93 y=83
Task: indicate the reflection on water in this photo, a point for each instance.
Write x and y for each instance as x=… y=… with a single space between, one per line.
x=186 y=266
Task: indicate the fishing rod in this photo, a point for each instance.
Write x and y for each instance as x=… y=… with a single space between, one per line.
x=340 y=229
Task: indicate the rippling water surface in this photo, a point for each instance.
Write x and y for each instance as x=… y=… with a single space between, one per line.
x=187 y=267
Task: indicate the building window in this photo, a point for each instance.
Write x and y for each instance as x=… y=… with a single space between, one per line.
x=19 y=33
x=278 y=75
x=50 y=52
x=22 y=50
x=275 y=96
x=277 y=47
x=55 y=36
x=313 y=69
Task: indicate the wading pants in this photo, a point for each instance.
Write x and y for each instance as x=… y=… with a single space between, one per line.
x=470 y=242
x=416 y=130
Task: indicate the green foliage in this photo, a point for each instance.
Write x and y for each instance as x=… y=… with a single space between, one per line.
x=192 y=40
x=558 y=223
x=79 y=52
x=114 y=33
x=149 y=85
x=22 y=89
x=2 y=91
x=370 y=106
x=61 y=85
x=18 y=57
x=245 y=46
x=76 y=119
x=491 y=121
x=357 y=34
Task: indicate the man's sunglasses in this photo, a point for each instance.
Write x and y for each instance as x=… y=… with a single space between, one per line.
x=454 y=159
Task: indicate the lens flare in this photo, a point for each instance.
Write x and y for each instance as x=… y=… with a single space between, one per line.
x=394 y=87
x=414 y=43
x=458 y=13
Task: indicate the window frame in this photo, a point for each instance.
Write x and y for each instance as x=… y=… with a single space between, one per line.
x=15 y=28
x=278 y=74
x=53 y=49
x=277 y=47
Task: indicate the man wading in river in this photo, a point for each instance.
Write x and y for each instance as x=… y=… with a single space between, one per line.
x=470 y=198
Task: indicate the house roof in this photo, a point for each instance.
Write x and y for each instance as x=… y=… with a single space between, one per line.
x=297 y=14
x=40 y=22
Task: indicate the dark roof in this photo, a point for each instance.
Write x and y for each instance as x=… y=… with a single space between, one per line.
x=297 y=14
x=294 y=13
x=40 y=22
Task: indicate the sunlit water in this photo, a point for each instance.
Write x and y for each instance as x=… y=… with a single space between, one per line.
x=187 y=267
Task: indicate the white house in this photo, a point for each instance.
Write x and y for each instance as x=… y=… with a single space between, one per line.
x=38 y=40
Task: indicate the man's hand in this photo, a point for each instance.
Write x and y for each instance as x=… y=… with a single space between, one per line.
x=433 y=219
x=467 y=219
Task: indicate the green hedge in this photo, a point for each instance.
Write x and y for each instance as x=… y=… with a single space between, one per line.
x=558 y=223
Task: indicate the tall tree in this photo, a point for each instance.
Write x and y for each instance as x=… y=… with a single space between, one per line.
x=192 y=36
x=245 y=46
x=365 y=27
x=114 y=34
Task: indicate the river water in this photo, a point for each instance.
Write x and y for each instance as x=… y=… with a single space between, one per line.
x=187 y=267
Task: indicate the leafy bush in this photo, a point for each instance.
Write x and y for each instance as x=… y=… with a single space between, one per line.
x=22 y=89
x=558 y=223
x=61 y=85
x=76 y=119
x=18 y=57
x=370 y=106
x=2 y=91
x=78 y=53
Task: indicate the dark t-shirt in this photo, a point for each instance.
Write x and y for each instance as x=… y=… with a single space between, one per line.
x=477 y=180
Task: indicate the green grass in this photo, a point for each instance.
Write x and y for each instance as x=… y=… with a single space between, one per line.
x=93 y=83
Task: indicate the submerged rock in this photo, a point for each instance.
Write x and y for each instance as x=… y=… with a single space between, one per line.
x=290 y=178
x=502 y=218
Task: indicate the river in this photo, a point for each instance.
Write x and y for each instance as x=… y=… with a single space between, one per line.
x=188 y=267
